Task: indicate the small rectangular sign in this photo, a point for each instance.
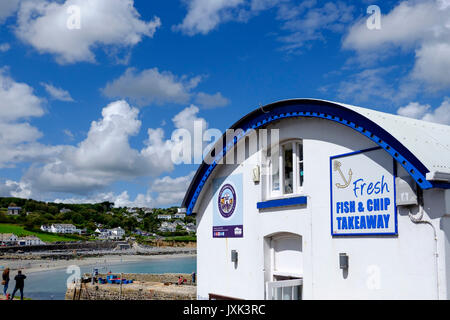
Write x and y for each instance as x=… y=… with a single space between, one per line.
x=228 y=207
x=363 y=193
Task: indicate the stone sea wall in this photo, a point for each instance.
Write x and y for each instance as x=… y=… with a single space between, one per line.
x=145 y=287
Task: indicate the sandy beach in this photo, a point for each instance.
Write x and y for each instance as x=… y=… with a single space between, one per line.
x=38 y=265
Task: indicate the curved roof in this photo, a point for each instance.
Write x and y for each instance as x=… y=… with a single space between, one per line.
x=412 y=143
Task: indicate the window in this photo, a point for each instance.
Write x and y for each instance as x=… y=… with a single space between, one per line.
x=286 y=169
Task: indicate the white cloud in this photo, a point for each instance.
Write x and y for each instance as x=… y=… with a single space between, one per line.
x=17 y=100
x=205 y=15
x=414 y=110
x=57 y=93
x=15 y=189
x=105 y=156
x=162 y=192
x=420 y=26
x=365 y=85
x=18 y=138
x=7 y=9
x=306 y=23
x=5 y=47
x=211 y=100
x=424 y=112
x=171 y=191
x=151 y=86
x=111 y=23
x=433 y=65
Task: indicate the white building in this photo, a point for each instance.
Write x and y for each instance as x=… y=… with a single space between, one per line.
x=117 y=233
x=110 y=234
x=14 y=211
x=64 y=228
x=29 y=241
x=179 y=215
x=350 y=204
x=164 y=216
x=46 y=228
x=168 y=227
x=8 y=239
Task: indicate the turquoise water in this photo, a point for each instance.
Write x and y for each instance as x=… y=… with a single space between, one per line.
x=51 y=285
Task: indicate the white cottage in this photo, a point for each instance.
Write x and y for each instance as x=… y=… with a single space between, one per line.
x=324 y=200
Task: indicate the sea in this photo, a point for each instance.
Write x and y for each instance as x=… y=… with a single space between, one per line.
x=52 y=284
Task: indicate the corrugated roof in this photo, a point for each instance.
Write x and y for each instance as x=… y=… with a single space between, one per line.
x=429 y=141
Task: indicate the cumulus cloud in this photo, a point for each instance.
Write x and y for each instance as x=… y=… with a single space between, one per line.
x=57 y=93
x=7 y=9
x=422 y=26
x=152 y=86
x=162 y=192
x=424 y=112
x=209 y=101
x=112 y=23
x=205 y=15
x=17 y=100
x=105 y=155
x=171 y=191
x=18 y=138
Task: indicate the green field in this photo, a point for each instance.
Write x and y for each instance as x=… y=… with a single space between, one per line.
x=21 y=232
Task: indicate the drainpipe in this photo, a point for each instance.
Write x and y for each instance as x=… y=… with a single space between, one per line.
x=418 y=219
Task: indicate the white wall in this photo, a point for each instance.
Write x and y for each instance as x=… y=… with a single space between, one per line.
x=380 y=267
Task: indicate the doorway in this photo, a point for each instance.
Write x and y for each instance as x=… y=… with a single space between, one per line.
x=283 y=265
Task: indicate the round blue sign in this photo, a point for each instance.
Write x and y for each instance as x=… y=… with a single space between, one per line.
x=227 y=200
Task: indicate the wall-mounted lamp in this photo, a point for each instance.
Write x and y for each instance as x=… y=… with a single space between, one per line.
x=234 y=256
x=343 y=261
x=256 y=174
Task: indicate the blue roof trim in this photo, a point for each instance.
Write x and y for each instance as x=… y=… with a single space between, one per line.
x=291 y=201
x=313 y=109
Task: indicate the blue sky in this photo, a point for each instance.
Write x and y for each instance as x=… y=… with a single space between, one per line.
x=79 y=90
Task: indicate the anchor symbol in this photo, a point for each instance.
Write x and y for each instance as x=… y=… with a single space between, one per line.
x=337 y=167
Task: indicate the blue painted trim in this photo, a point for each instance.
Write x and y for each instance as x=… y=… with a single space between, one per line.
x=312 y=109
x=291 y=201
x=441 y=185
x=394 y=174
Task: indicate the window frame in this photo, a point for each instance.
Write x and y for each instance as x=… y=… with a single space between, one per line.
x=297 y=163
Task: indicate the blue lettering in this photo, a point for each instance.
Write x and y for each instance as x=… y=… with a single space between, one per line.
x=384 y=184
x=350 y=223
x=386 y=220
x=371 y=221
x=357 y=222
x=380 y=222
x=339 y=222
x=362 y=223
x=370 y=205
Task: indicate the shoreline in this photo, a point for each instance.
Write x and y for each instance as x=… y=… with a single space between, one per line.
x=36 y=266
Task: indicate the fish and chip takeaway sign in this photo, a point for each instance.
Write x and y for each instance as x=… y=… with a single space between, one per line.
x=363 y=194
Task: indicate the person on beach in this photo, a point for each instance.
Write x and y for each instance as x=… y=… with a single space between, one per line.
x=5 y=280
x=20 y=279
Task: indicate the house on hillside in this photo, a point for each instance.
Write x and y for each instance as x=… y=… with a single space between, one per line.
x=164 y=216
x=14 y=211
x=116 y=233
x=64 y=228
x=8 y=239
